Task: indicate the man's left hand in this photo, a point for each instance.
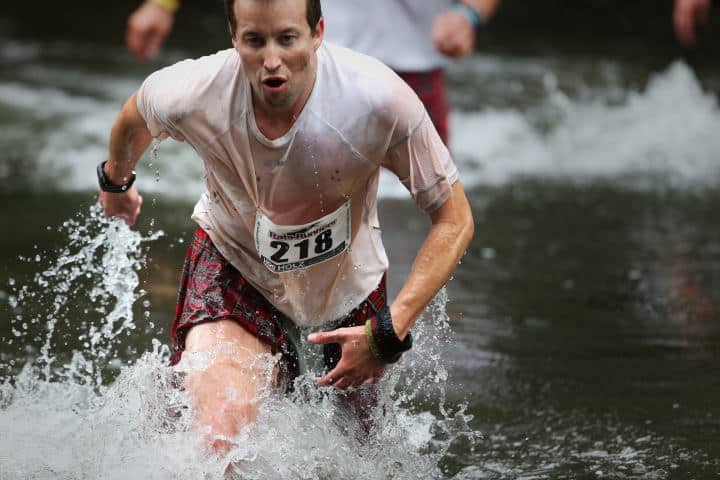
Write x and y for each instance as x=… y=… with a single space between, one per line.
x=357 y=363
x=453 y=34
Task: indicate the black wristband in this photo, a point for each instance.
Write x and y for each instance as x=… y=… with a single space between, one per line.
x=107 y=186
x=389 y=346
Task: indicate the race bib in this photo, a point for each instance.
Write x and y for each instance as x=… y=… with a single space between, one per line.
x=288 y=247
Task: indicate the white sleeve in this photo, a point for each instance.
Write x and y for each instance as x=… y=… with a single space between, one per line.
x=167 y=95
x=416 y=153
x=423 y=164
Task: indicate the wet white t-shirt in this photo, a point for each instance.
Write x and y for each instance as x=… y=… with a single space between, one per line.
x=397 y=32
x=297 y=215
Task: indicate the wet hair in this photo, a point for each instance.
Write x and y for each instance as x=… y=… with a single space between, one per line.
x=312 y=14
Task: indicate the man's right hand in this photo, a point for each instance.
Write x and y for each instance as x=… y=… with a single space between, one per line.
x=147 y=29
x=125 y=206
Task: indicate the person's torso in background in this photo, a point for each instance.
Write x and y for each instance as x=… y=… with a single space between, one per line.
x=397 y=32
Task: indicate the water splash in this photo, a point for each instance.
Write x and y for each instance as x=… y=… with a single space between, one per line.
x=66 y=417
x=129 y=429
x=314 y=433
x=90 y=290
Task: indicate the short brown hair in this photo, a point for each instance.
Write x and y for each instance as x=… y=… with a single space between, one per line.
x=313 y=14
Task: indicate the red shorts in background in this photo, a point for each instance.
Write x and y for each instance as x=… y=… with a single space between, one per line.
x=432 y=90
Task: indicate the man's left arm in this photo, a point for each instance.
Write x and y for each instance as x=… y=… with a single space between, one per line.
x=450 y=234
x=453 y=31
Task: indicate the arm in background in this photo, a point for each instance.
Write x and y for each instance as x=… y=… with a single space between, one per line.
x=454 y=30
x=149 y=26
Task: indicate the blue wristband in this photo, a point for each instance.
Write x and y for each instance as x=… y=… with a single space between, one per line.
x=473 y=16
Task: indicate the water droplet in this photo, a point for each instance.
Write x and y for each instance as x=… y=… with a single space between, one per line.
x=488 y=253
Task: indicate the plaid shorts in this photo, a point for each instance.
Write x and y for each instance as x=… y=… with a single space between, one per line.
x=432 y=90
x=212 y=289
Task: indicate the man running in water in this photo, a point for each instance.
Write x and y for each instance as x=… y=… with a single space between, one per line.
x=293 y=133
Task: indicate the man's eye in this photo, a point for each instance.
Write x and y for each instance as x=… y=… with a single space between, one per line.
x=287 y=39
x=253 y=41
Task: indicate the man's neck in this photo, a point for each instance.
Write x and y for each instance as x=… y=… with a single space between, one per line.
x=276 y=123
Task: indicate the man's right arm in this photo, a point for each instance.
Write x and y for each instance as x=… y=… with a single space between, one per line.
x=129 y=138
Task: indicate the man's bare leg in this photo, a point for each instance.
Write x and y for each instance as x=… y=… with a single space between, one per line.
x=226 y=392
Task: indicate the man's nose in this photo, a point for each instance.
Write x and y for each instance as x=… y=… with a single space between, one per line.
x=272 y=59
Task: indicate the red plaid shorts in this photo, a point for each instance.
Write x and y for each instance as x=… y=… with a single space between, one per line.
x=432 y=90
x=212 y=289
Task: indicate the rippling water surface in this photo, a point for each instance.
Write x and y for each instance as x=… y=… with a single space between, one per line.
x=579 y=338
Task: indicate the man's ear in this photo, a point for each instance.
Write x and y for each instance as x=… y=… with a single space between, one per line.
x=319 y=33
x=232 y=36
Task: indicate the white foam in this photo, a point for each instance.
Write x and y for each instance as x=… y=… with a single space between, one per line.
x=666 y=132
x=14 y=51
x=44 y=102
x=67 y=430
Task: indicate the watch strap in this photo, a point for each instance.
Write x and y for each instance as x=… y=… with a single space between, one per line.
x=107 y=186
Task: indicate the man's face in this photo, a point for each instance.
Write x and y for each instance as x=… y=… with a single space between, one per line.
x=277 y=49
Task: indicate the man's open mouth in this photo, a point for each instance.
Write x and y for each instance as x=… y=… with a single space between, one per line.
x=273 y=82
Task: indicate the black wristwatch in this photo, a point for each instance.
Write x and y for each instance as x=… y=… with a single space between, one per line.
x=382 y=339
x=107 y=186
